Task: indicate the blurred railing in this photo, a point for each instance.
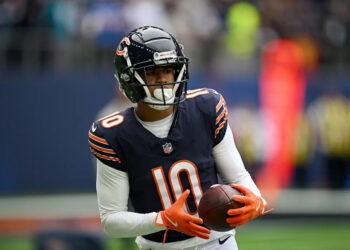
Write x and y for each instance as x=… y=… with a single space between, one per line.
x=37 y=49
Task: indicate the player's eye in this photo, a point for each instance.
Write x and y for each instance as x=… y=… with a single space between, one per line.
x=168 y=70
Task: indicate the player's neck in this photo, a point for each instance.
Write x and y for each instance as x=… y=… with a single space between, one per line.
x=148 y=114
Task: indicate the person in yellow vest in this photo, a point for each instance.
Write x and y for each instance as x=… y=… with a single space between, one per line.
x=304 y=148
x=331 y=118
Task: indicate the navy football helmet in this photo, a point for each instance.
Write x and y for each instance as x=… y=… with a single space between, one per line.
x=147 y=48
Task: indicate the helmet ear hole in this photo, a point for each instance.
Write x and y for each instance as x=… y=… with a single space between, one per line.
x=125 y=77
x=133 y=92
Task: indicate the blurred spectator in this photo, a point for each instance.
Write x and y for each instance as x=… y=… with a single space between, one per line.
x=310 y=50
x=57 y=34
x=103 y=22
x=290 y=18
x=61 y=21
x=139 y=13
x=62 y=18
x=198 y=26
x=330 y=117
x=22 y=17
x=335 y=30
x=242 y=22
x=246 y=125
x=102 y=26
x=303 y=152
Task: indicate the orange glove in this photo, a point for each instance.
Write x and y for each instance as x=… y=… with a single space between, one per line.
x=175 y=218
x=253 y=207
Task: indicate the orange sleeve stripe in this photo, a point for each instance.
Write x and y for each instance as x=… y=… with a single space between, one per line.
x=106 y=150
x=221 y=125
x=221 y=102
x=105 y=157
x=224 y=112
x=96 y=138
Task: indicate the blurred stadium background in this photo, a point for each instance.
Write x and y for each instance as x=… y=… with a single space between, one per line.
x=283 y=67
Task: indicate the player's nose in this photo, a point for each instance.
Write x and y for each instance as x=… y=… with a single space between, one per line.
x=164 y=78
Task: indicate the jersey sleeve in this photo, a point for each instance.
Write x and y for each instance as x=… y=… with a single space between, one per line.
x=221 y=116
x=102 y=149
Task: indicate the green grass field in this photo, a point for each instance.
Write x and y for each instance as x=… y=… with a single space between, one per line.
x=291 y=234
x=296 y=234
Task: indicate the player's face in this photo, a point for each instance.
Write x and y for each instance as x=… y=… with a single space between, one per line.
x=159 y=75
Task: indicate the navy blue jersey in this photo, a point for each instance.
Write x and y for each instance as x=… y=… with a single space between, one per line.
x=160 y=169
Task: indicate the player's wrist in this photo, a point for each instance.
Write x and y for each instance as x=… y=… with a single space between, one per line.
x=159 y=220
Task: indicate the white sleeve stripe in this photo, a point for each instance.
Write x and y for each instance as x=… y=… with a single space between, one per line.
x=102 y=149
x=105 y=157
x=98 y=139
x=198 y=93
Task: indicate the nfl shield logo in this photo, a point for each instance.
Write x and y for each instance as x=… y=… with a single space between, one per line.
x=167 y=148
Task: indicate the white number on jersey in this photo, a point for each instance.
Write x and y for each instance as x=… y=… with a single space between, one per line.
x=175 y=183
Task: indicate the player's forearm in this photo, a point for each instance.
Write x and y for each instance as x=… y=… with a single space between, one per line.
x=129 y=224
x=246 y=181
x=112 y=188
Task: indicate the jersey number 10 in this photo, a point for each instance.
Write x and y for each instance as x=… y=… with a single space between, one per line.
x=175 y=183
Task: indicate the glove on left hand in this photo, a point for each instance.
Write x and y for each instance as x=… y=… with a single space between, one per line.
x=253 y=207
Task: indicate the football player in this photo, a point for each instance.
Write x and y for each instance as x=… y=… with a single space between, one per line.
x=166 y=152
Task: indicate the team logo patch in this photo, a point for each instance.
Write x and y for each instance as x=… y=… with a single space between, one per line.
x=164 y=55
x=121 y=47
x=93 y=127
x=168 y=148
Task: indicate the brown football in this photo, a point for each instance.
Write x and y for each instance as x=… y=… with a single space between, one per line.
x=214 y=204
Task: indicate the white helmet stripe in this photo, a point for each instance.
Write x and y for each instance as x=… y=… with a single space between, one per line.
x=179 y=78
x=139 y=78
